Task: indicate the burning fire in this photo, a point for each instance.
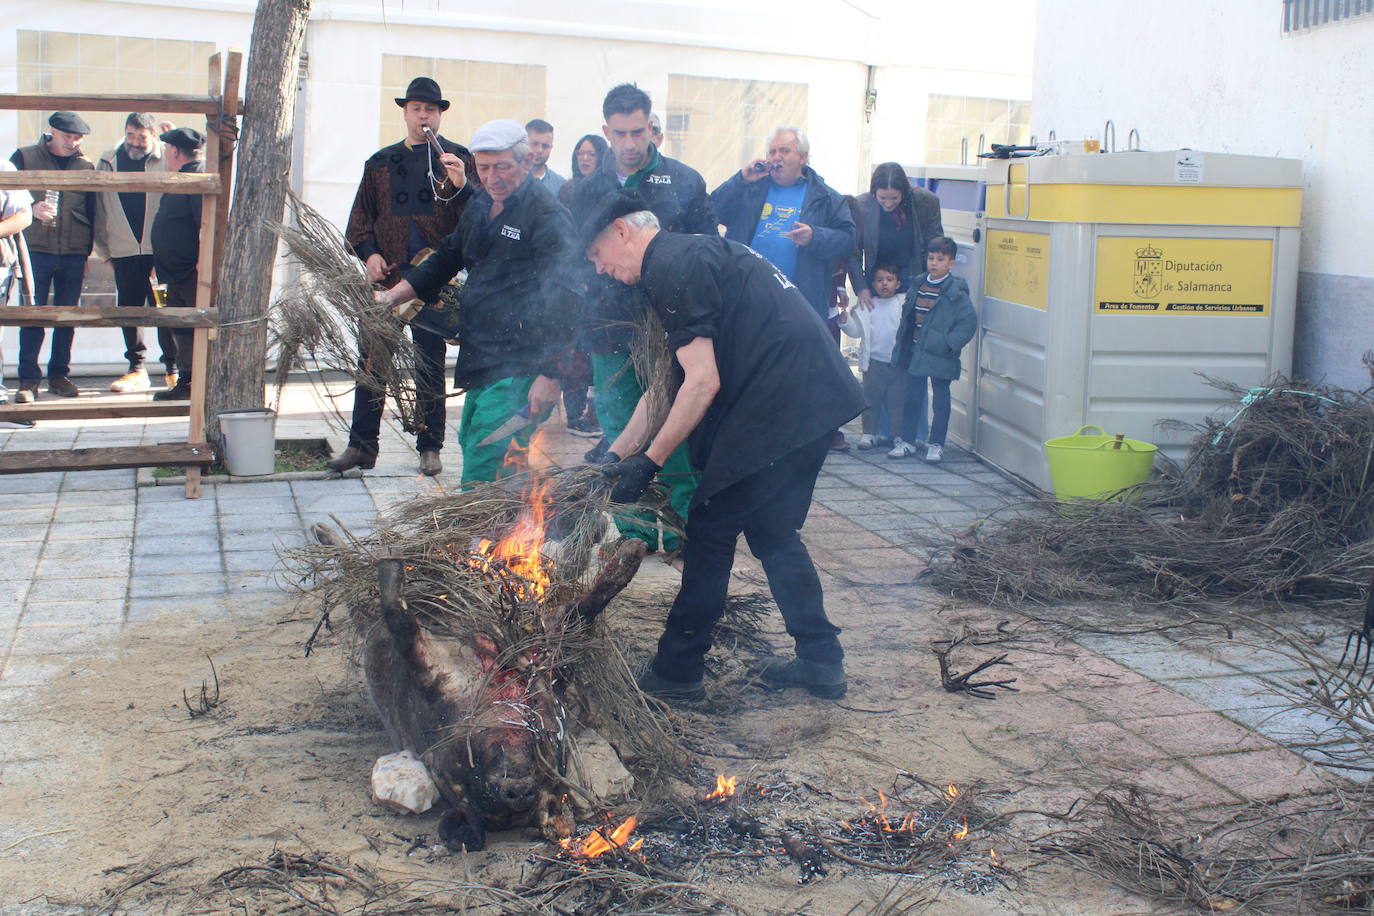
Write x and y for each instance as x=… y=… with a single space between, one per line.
x=520 y=552
x=725 y=788
x=598 y=843
x=962 y=831
x=953 y=790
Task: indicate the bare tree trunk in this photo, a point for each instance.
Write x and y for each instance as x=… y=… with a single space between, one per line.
x=239 y=355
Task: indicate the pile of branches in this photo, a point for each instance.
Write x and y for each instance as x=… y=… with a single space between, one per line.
x=454 y=590
x=1310 y=855
x=1273 y=503
x=328 y=316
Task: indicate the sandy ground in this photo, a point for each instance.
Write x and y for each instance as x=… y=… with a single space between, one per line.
x=124 y=782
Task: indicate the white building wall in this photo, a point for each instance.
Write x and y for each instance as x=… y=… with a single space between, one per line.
x=588 y=47
x=1221 y=76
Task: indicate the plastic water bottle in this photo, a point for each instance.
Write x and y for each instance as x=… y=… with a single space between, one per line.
x=52 y=197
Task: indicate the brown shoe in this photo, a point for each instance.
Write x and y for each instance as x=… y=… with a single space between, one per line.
x=26 y=394
x=430 y=465
x=169 y=379
x=133 y=380
x=352 y=457
x=63 y=387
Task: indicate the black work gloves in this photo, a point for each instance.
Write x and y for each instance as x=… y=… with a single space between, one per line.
x=632 y=476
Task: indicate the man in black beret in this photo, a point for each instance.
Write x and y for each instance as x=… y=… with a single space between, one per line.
x=176 y=246
x=59 y=241
x=763 y=388
x=410 y=197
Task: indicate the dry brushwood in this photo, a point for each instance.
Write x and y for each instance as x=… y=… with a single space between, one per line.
x=1311 y=855
x=1276 y=503
x=486 y=604
x=328 y=316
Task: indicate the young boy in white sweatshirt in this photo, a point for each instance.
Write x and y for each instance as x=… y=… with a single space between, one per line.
x=884 y=382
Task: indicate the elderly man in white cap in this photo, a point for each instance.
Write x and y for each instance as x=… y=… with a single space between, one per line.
x=514 y=239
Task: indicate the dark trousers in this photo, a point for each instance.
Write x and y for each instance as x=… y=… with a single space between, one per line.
x=181 y=294
x=366 y=426
x=769 y=507
x=940 y=404
x=134 y=289
x=60 y=275
x=576 y=369
x=885 y=391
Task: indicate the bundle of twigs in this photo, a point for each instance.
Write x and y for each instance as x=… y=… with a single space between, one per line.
x=455 y=588
x=328 y=315
x=1274 y=502
x=1309 y=855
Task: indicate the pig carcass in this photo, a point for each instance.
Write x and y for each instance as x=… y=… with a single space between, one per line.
x=489 y=726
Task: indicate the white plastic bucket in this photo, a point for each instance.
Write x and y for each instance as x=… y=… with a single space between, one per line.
x=249 y=438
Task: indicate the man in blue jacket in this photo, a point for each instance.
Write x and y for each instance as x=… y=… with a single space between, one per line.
x=782 y=209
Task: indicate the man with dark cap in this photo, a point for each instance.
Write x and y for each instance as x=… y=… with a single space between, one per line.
x=59 y=241
x=676 y=194
x=123 y=234
x=762 y=388
x=176 y=246
x=409 y=199
x=513 y=240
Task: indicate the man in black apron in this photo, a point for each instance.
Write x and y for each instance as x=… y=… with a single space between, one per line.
x=763 y=388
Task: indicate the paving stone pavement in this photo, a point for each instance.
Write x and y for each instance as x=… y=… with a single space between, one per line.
x=86 y=553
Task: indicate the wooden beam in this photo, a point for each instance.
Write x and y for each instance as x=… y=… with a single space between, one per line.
x=105 y=316
x=169 y=102
x=92 y=180
x=233 y=70
x=94 y=409
x=175 y=454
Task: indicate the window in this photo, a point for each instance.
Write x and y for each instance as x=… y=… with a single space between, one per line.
x=1305 y=14
x=77 y=63
x=952 y=119
x=716 y=125
x=479 y=92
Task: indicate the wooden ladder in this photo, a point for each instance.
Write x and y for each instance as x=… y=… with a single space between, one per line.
x=222 y=107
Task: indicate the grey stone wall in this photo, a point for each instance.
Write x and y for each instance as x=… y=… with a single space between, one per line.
x=1334 y=328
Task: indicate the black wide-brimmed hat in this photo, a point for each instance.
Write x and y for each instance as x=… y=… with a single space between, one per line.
x=423 y=89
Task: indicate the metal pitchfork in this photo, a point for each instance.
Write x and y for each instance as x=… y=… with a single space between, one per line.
x=1359 y=644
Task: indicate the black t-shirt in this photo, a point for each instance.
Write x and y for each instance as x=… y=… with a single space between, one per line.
x=895 y=242
x=135 y=203
x=783 y=383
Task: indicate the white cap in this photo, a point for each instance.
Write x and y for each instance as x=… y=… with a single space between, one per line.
x=495 y=136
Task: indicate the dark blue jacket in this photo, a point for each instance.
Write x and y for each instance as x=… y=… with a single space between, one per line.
x=948 y=328
x=739 y=204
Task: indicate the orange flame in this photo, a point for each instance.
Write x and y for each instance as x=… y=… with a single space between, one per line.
x=725 y=787
x=520 y=551
x=962 y=831
x=953 y=790
x=597 y=843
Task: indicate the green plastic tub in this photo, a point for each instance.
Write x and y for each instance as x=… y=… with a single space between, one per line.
x=1086 y=466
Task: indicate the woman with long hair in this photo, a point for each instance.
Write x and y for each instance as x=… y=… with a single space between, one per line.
x=893 y=223
x=586 y=159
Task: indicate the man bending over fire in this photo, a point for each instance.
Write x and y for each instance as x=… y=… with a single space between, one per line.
x=763 y=389
x=513 y=239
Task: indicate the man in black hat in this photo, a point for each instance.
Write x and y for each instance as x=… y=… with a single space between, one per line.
x=59 y=241
x=176 y=246
x=763 y=386
x=409 y=199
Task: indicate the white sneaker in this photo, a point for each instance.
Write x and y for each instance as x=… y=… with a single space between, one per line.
x=934 y=454
x=866 y=442
x=901 y=449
